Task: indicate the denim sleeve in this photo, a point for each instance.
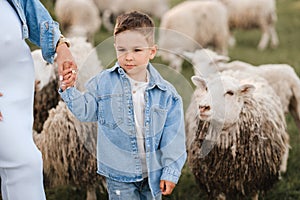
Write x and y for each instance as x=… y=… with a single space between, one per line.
x=172 y=143
x=43 y=30
x=83 y=106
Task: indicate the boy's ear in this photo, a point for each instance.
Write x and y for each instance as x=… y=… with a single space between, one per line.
x=153 y=51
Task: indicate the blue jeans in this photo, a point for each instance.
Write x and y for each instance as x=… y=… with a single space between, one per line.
x=130 y=191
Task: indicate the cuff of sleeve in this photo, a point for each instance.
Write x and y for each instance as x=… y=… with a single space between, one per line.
x=69 y=94
x=170 y=175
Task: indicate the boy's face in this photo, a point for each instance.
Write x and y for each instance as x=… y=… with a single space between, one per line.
x=133 y=52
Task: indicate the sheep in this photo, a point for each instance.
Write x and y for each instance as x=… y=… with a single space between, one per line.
x=69 y=148
x=192 y=25
x=155 y=8
x=46 y=86
x=78 y=17
x=46 y=81
x=87 y=60
x=236 y=136
x=54 y=130
x=249 y=14
x=281 y=77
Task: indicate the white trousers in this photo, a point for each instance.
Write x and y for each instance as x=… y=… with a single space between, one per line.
x=20 y=160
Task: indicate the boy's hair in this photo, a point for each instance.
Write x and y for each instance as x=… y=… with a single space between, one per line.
x=135 y=21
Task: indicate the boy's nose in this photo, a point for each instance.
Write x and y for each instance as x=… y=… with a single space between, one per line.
x=128 y=56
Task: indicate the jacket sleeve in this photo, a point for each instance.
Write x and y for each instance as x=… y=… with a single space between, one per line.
x=172 y=144
x=82 y=105
x=43 y=30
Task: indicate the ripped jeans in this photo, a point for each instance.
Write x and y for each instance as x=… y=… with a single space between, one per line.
x=133 y=191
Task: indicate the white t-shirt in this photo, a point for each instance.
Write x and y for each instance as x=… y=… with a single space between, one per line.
x=138 y=96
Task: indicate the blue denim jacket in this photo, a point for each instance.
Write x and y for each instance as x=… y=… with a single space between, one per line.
x=38 y=26
x=108 y=101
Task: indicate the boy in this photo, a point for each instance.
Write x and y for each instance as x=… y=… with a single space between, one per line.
x=141 y=138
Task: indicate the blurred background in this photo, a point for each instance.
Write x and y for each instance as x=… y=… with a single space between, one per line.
x=288 y=52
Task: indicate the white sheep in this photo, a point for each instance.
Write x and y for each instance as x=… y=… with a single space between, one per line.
x=78 y=17
x=68 y=147
x=192 y=25
x=85 y=56
x=46 y=81
x=236 y=136
x=249 y=14
x=44 y=71
x=281 y=77
x=155 y=8
x=57 y=133
x=87 y=60
x=46 y=86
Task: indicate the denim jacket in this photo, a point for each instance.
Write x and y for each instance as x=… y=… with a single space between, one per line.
x=108 y=101
x=38 y=26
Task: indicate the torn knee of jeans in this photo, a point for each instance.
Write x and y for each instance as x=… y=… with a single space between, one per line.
x=118 y=192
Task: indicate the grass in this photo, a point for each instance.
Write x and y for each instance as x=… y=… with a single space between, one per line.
x=288 y=28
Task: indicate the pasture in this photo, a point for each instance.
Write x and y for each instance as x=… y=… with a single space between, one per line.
x=288 y=28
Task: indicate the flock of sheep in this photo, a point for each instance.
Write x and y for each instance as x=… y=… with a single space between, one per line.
x=237 y=138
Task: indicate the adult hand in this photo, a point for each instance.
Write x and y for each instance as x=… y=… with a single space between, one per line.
x=166 y=187
x=65 y=61
x=1 y=117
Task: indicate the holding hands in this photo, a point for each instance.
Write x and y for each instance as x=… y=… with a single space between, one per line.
x=67 y=67
x=68 y=75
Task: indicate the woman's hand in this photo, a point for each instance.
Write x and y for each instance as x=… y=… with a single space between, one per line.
x=66 y=64
x=1 y=117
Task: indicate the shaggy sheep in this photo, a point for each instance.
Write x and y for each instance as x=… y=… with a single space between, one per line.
x=66 y=144
x=46 y=85
x=68 y=148
x=192 y=25
x=237 y=141
x=155 y=8
x=78 y=17
x=46 y=82
x=281 y=77
x=249 y=14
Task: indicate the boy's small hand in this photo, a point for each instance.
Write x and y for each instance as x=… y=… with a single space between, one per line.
x=68 y=76
x=166 y=187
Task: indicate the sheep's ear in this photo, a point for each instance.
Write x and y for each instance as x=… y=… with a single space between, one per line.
x=199 y=82
x=247 y=89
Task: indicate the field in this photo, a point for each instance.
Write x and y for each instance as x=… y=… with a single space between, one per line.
x=288 y=28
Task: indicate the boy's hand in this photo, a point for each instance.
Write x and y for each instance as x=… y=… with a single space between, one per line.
x=1 y=117
x=68 y=76
x=166 y=187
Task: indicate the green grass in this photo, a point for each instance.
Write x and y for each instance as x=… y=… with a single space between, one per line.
x=288 y=28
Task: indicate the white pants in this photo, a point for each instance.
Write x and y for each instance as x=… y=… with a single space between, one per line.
x=20 y=160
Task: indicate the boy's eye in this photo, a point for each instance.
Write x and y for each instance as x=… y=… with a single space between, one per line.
x=121 y=50
x=138 y=50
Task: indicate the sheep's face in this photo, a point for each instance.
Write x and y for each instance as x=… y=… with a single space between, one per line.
x=220 y=99
x=44 y=72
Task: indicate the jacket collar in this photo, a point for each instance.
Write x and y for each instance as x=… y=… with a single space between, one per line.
x=155 y=78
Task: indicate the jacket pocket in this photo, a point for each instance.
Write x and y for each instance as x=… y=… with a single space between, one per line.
x=111 y=110
x=158 y=117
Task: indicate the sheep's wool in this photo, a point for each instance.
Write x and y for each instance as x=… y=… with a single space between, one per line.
x=69 y=148
x=244 y=160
